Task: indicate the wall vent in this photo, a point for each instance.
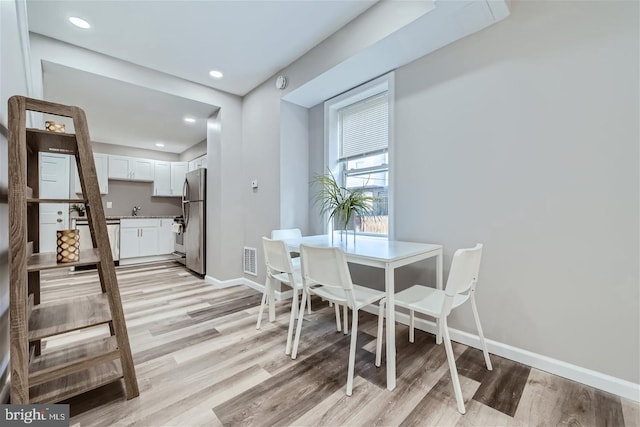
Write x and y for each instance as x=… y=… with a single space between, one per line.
x=249 y=261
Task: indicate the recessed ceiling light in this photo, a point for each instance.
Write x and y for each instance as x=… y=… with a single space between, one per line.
x=79 y=22
x=189 y=120
x=215 y=74
x=159 y=144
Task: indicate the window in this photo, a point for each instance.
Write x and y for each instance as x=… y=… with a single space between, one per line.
x=358 y=148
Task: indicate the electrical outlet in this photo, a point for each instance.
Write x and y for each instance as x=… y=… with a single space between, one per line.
x=109 y=205
x=254 y=183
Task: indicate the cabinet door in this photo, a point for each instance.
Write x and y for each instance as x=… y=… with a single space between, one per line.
x=143 y=169
x=162 y=179
x=129 y=242
x=166 y=237
x=119 y=167
x=148 y=241
x=101 y=161
x=203 y=162
x=192 y=165
x=178 y=175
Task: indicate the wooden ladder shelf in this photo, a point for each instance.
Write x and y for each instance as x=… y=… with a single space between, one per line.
x=49 y=376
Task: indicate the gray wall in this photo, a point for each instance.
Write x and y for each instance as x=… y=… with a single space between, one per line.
x=124 y=195
x=525 y=137
x=261 y=161
x=294 y=185
x=121 y=150
x=13 y=81
x=200 y=149
x=316 y=165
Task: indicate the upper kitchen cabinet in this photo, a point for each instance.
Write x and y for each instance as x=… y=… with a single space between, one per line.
x=101 y=161
x=131 y=168
x=169 y=178
x=200 y=162
x=178 y=176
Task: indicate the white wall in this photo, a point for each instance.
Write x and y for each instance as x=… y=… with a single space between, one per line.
x=525 y=137
x=13 y=81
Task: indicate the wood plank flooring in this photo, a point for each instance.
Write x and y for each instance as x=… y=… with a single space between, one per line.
x=201 y=362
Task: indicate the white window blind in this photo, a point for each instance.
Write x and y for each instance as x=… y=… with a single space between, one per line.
x=364 y=127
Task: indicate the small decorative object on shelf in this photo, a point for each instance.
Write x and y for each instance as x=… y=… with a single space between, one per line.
x=68 y=246
x=52 y=126
x=79 y=208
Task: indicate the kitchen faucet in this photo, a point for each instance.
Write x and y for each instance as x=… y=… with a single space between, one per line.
x=135 y=210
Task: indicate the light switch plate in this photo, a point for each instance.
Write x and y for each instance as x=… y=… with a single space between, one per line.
x=109 y=205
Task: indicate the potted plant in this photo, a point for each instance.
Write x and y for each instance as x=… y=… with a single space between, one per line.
x=78 y=208
x=341 y=204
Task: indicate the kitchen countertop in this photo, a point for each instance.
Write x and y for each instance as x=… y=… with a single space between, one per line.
x=112 y=217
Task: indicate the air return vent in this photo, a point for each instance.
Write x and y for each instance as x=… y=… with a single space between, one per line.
x=249 y=261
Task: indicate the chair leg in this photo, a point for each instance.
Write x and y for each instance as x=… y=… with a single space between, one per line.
x=474 y=308
x=452 y=367
x=412 y=325
x=337 y=308
x=292 y=319
x=438 y=331
x=272 y=302
x=380 y=334
x=352 y=351
x=309 y=302
x=345 y=314
x=264 y=301
x=294 y=352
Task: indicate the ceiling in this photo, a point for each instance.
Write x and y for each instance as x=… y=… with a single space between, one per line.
x=125 y=114
x=248 y=41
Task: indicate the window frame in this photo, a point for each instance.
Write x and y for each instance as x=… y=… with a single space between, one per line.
x=332 y=135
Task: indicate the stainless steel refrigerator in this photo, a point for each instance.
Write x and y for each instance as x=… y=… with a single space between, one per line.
x=194 y=211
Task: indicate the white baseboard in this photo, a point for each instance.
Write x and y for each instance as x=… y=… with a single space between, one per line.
x=247 y=282
x=576 y=373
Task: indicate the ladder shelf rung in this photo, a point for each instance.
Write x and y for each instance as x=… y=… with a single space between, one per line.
x=32 y=200
x=39 y=140
x=64 y=361
x=48 y=260
x=76 y=383
x=68 y=315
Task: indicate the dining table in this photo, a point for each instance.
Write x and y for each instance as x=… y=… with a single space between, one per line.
x=388 y=255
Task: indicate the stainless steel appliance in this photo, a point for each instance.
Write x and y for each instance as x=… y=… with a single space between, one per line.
x=113 y=230
x=178 y=243
x=194 y=213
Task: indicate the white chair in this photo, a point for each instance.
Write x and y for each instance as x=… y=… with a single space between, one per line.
x=281 y=269
x=461 y=286
x=289 y=233
x=325 y=273
x=286 y=234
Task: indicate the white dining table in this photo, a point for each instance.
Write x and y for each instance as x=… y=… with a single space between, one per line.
x=388 y=255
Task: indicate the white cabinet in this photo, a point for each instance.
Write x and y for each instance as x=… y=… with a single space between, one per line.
x=200 y=162
x=131 y=168
x=162 y=179
x=178 y=175
x=101 y=161
x=139 y=237
x=169 y=178
x=166 y=236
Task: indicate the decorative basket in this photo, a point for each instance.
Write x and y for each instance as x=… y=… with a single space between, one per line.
x=68 y=246
x=52 y=126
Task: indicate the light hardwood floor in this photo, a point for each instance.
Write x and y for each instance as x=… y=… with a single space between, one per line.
x=201 y=362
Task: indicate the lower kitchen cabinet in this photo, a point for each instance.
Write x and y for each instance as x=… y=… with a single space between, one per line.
x=166 y=236
x=145 y=237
